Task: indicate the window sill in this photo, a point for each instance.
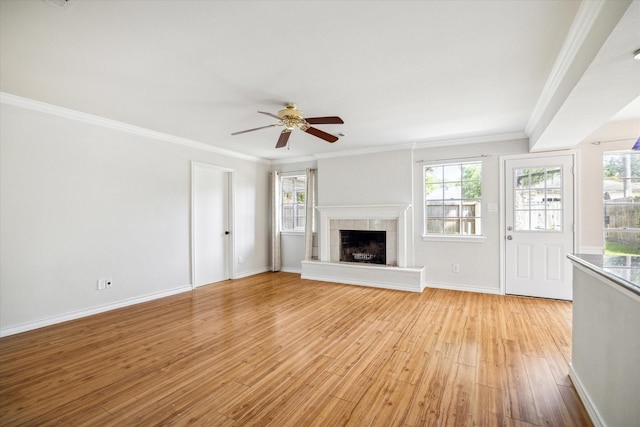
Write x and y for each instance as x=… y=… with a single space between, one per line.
x=292 y=233
x=450 y=238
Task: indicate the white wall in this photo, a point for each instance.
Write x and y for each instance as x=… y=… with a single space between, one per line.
x=365 y=179
x=80 y=202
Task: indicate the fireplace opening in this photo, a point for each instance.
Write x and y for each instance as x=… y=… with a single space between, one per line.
x=363 y=246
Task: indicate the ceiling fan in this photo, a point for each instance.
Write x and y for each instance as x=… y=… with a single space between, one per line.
x=290 y=117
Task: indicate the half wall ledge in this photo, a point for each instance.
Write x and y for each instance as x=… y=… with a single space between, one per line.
x=399 y=278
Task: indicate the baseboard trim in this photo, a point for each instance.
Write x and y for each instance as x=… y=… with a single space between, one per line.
x=253 y=272
x=291 y=270
x=88 y=312
x=464 y=288
x=589 y=406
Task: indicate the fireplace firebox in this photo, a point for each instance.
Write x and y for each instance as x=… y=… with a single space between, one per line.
x=364 y=246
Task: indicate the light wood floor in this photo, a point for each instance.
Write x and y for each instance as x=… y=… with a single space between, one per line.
x=272 y=349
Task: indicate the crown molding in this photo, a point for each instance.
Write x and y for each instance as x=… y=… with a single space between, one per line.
x=479 y=139
x=42 y=107
x=583 y=22
x=370 y=150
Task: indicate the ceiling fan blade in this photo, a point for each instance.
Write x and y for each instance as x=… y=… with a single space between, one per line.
x=284 y=138
x=251 y=130
x=321 y=134
x=275 y=116
x=330 y=120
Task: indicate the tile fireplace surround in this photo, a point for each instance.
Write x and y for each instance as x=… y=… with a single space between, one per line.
x=394 y=219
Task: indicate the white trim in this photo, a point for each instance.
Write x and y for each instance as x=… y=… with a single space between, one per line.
x=585 y=17
x=468 y=140
x=291 y=270
x=370 y=150
x=586 y=399
x=464 y=288
x=29 y=104
x=252 y=272
x=453 y=238
x=91 y=311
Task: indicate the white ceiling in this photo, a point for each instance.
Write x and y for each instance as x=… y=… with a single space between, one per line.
x=397 y=72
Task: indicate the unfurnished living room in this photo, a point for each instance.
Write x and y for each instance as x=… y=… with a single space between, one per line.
x=319 y=213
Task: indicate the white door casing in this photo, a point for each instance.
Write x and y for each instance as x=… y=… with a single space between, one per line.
x=210 y=224
x=538 y=227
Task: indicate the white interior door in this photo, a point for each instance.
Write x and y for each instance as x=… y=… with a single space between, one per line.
x=210 y=224
x=539 y=226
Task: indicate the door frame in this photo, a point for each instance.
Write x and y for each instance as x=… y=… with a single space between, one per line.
x=503 y=235
x=230 y=219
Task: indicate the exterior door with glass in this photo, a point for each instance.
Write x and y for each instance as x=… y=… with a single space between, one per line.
x=539 y=222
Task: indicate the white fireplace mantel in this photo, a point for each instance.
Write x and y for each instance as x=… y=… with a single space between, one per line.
x=369 y=212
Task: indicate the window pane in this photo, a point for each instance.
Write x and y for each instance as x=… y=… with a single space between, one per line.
x=538 y=220
x=471 y=209
x=434 y=192
x=452 y=226
x=452 y=173
x=434 y=226
x=553 y=199
x=471 y=226
x=433 y=174
x=435 y=210
x=451 y=210
x=452 y=190
x=554 y=220
x=521 y=199
x=522 y=221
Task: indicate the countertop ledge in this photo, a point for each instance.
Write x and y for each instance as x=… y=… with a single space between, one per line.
x=622 y=270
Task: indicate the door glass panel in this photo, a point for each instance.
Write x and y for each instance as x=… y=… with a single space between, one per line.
x=537 y=199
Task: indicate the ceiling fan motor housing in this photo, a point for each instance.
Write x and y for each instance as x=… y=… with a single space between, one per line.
x=292 y=117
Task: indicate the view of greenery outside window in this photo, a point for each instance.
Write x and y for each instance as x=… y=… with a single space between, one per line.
x=621 y=197
x=293 y=203
x=453 y=199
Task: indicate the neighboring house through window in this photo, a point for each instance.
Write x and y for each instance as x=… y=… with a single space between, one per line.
x=453 y=199
x=293 y=202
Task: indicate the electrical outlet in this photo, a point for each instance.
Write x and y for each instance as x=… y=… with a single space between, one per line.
x=109 y=283
x=102 y=284
x=455 y=268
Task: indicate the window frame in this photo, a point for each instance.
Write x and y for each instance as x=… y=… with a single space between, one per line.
x=608 y=203
x=468 y=238
x=295 y=206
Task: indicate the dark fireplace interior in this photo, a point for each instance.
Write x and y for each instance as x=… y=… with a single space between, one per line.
x=363 y=246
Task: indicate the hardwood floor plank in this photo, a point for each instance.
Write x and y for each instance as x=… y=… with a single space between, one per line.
x=458 y=395
x=274 y=349
x=551 y=409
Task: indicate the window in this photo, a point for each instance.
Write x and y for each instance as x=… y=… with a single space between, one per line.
x=538 y=199
x=621 y=199
x=453 y=199
x=293 y=202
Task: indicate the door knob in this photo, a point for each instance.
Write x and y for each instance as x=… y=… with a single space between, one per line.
x=509 y=237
